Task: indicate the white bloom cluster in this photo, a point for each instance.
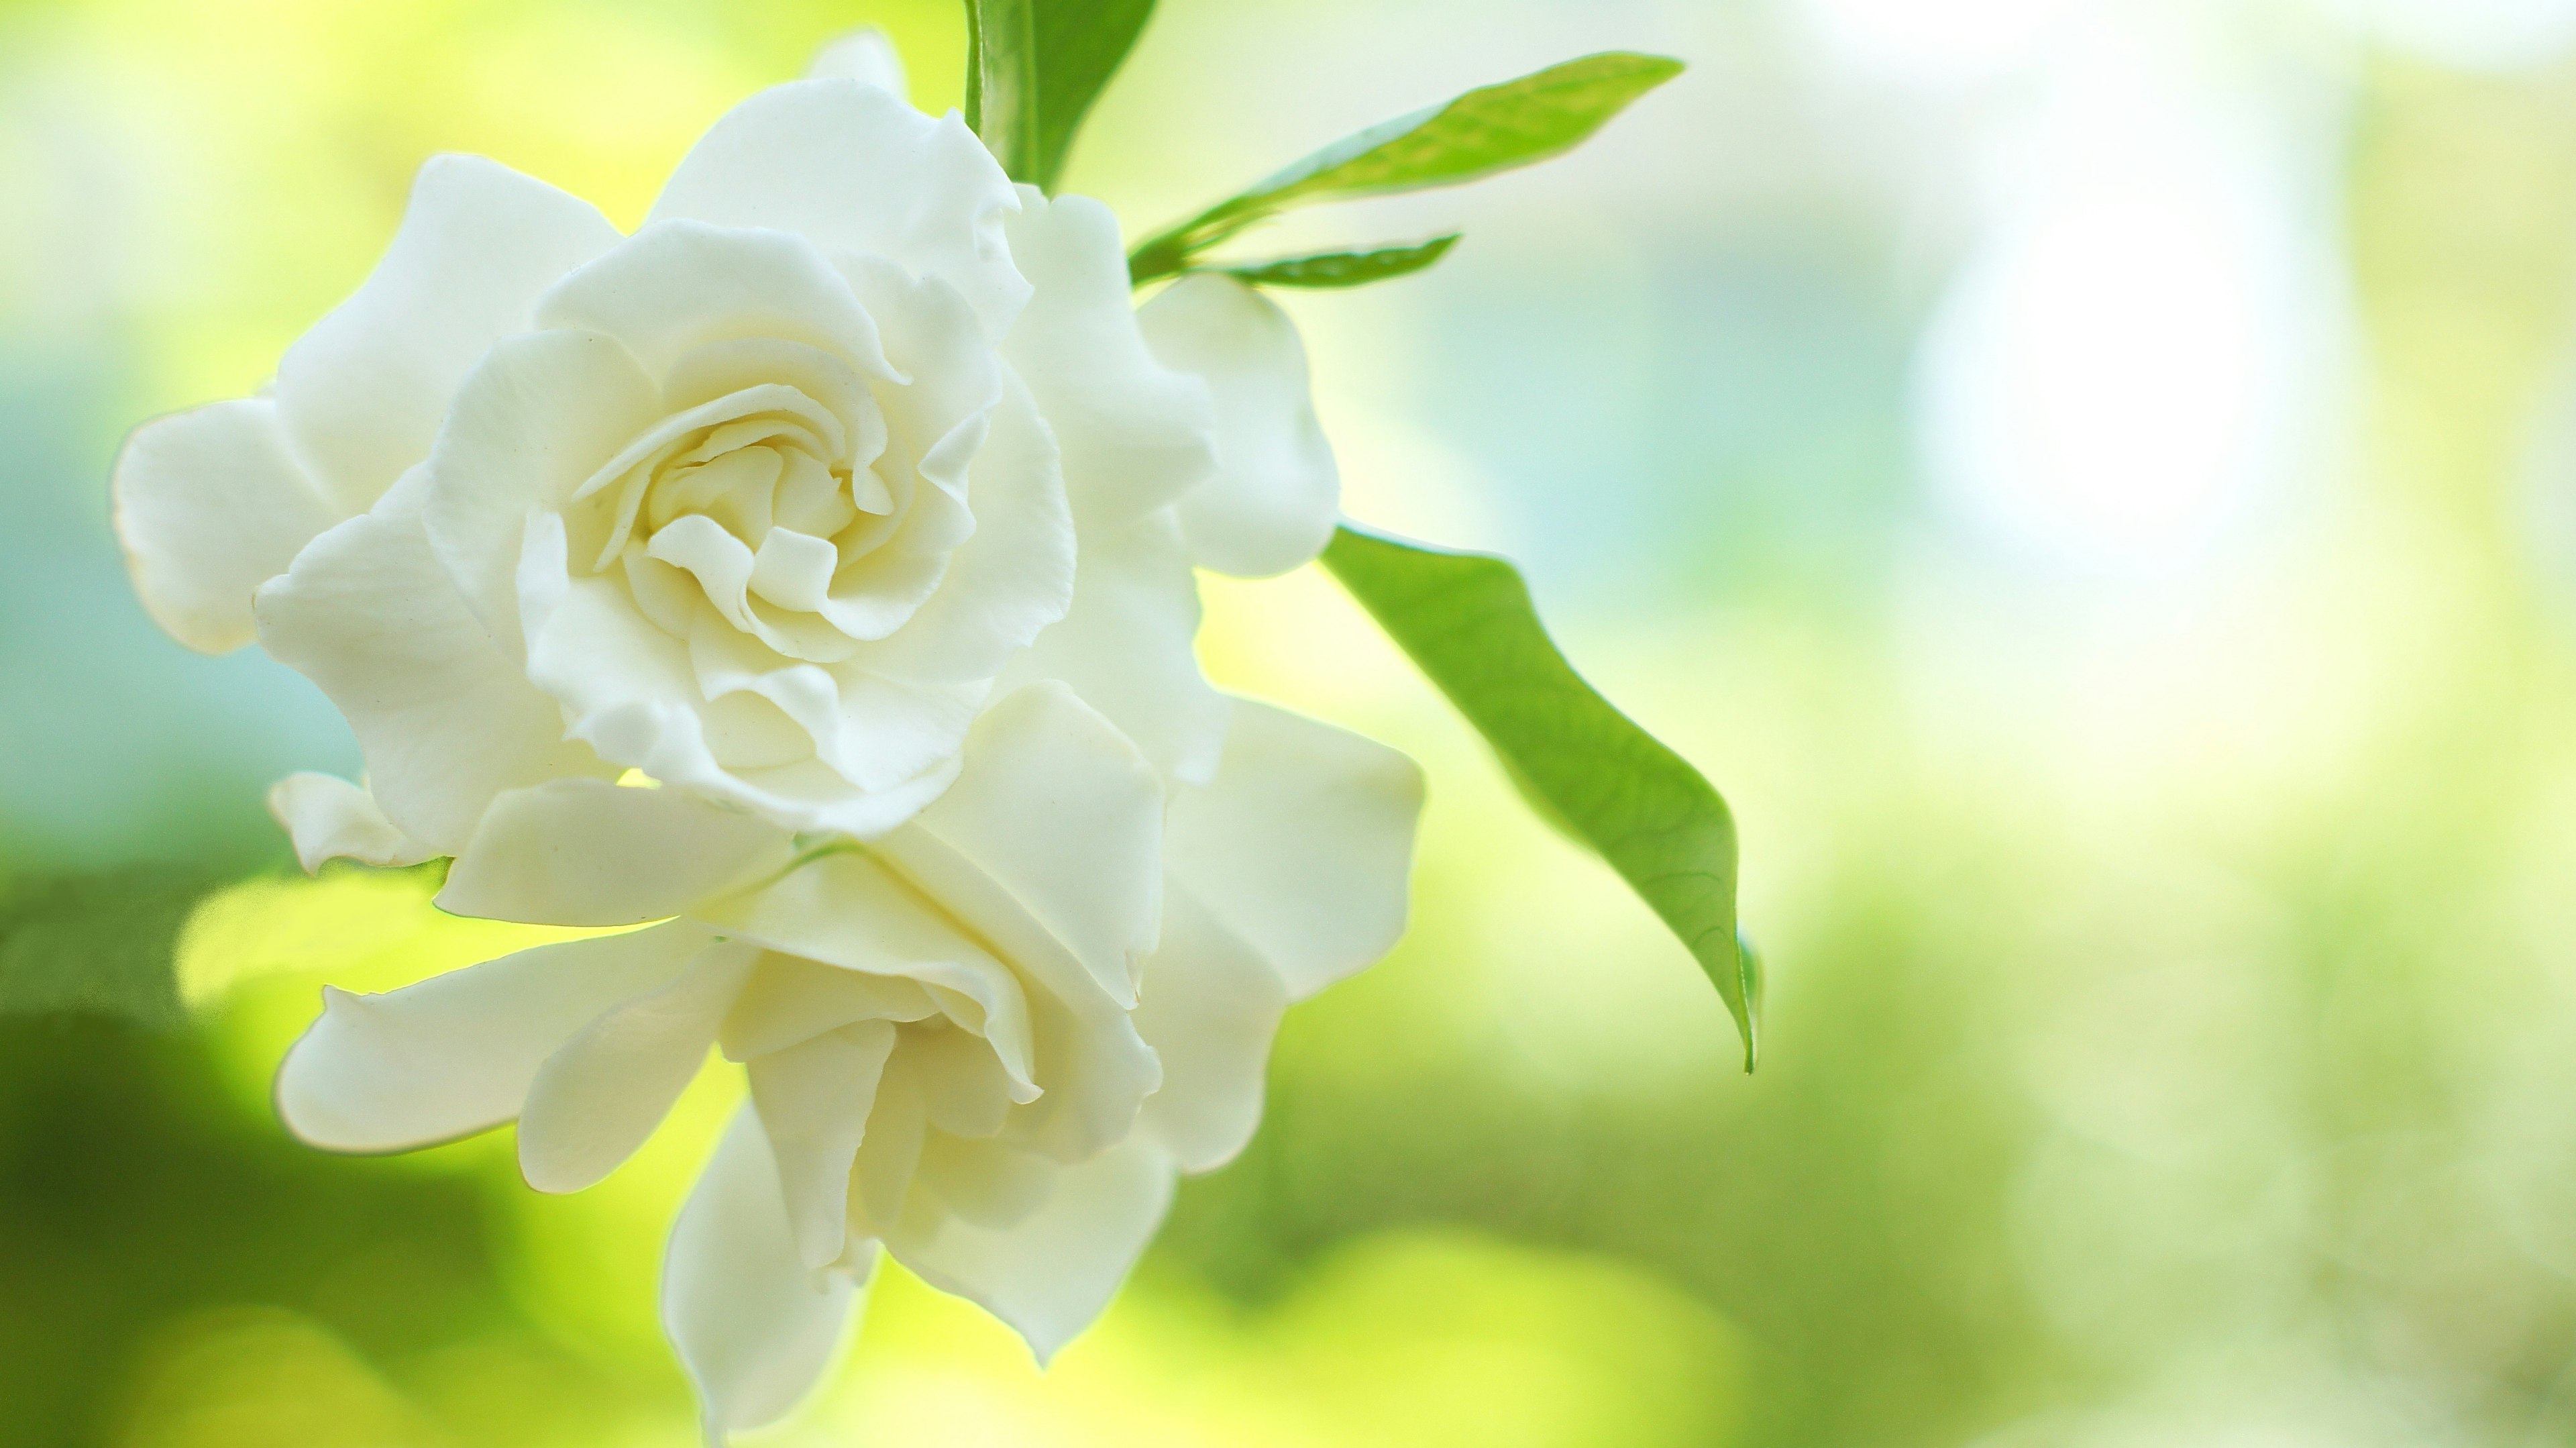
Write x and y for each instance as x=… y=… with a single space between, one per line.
x=850 y=507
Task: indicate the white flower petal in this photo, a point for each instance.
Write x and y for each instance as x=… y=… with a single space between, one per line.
x=792 y=1000
x=210 y=504
x=856 y=170
x=754 y=1327
x=989 y=1184
x=878 y=594
x=962 y=1082
x=1303 y=846
x=1209 y=1008
x=363 y=392
x=1051 y=1273
x=846 y=909
x=445 y=720
x=1009 y=581
x=625 y=686
x=881 y=1182
x=1127 y=646
x=1051 y=854
x=765 y=714
x=634 y=694
x=1273 y=499
x=532 y=422
x=331 y=819
x=933 y=337
x=677 y=285
x=893 y=732
x=722 y=565
x=736 y=364
x=588 y=852
x=816 y=798
x=596 y=1099
x=865 y=55
x=604 y=663
x=1057 y=809
x=792 y=569
x=1136 y=434
x=455 y=1054
x=813 y=1100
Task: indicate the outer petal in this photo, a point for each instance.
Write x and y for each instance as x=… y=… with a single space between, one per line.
x=588 y=852
x=1058 y=809
x=1210 y=1007
x=332 y=819
x=986 y=1183
x=1051 y=853
x=754 y=1327
x=881 y=1181
x=531 y=423
x=1136 y=434
x=791 y=1000
x=455 y=1054
x=596 y=1099
x=1275 y=495
x=363 y=392
x=814 y=1099
x=1303 y=845
x=848 y=910
x=445 y=720
x=210 y=504
x=1127 y=646
x=1050 y=1274
x=854 y=169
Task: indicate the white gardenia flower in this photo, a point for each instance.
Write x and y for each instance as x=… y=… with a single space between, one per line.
x=765 y=500
x=986 y=1040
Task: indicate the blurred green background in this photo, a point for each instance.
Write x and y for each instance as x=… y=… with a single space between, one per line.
x=2094 y=482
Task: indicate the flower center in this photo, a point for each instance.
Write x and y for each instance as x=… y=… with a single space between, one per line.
x=762 y=508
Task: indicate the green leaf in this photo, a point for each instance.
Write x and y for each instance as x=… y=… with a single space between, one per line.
x=1467 y=621
x=1081 y=44
x=1002 y=80
x=1033 y=68
x=1343 y=268
x=98 y=944
x=1490 y=129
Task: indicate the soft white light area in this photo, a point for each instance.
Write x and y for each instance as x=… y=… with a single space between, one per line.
x=2471 y=34
x=2139 y=343
x=1940 y=40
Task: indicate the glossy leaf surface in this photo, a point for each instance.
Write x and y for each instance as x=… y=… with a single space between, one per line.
x=1033 y=69
x=1467 y=620
x=1344 y=268
x=1490 y=129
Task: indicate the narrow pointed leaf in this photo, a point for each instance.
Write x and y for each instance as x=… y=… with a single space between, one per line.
x=1343 y=268
x=1467 y=621
x=1033 y=69
x=1080 y=45
x=1002 y=80
x=1490 y=129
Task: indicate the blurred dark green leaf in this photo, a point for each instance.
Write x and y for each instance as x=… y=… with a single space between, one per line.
x=98 y=944
x=1033 y=69
x=1467 y=621
x=1344 y=268
x=1492 y=128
